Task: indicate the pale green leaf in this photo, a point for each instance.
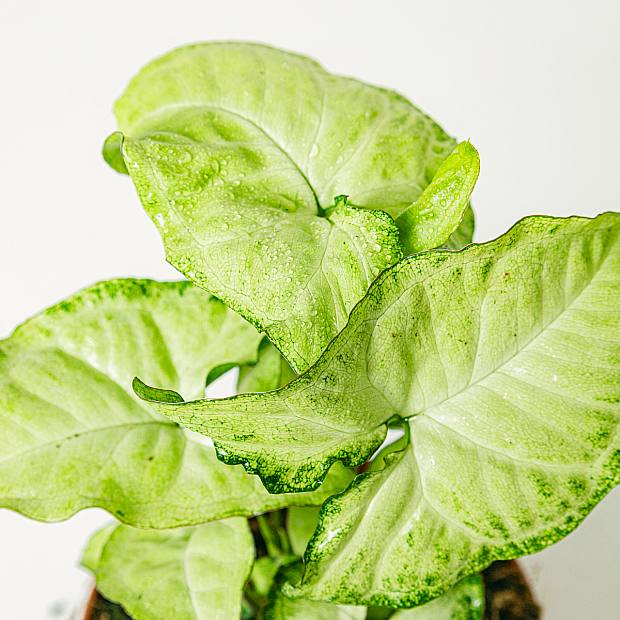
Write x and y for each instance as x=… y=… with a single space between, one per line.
x=437 y=213
x=290 y=437
x=464 y=234
x=238 y=152
x=300 y=524
x=269 y=372
x=465 y=601
x=281 y=607
x=248 y=237
x=193 y=573
x=96 y=544
x=73 y=434
x=504 y=358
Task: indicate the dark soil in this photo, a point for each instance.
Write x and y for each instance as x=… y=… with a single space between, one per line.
x=102 y=609
x=508 y=597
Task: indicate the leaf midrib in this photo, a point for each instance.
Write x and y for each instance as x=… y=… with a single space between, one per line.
x=91 y=431
x=530 y=342
x=144 y=121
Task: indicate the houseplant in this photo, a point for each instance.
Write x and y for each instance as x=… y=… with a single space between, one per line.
x=325 y=231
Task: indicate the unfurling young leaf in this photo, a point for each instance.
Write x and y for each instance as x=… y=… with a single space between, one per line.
x=513 y=414
x=192 y=573
x=75 y=436
x=438 y=212
x=238 y=153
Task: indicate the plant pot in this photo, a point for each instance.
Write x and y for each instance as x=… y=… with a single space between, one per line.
x=508 y=597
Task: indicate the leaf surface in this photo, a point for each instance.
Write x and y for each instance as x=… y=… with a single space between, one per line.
x=504 y=359
x=269 y=372
x=240 y=152
x=464 y=234
x=438 y=212
x=185 y=573
x=281 y=607
x=301 y=523
x=73 y=434
x=465 y=601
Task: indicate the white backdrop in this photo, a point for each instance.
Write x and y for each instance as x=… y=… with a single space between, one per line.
x=534 y=85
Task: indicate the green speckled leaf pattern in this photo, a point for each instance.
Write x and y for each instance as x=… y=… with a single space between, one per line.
x=193 y=573
x=73 y=434
x=465 y=601
x=239 y=151
x=513 y=412
x=281 y=607
x=289 y=437
x=504 y=358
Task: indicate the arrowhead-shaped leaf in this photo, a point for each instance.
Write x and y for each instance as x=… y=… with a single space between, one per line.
x=73 y=434
x=185 y=573
x=504 y=358
x=239 y=153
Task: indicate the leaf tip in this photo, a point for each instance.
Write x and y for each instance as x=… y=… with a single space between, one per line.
x=112 y=152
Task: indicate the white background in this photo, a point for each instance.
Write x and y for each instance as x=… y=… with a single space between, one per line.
x=535 y=85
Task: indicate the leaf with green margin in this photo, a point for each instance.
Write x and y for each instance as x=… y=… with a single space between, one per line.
x=437 y=213
x=514 y=417
x=289 y=437
x=238 y=149
x=250 y=238
x=280 y=607
x=75 y=436
x=185 y=573
x=465 y=601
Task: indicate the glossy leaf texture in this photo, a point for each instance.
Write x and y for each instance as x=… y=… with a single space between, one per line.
x=75 y=436
x=241 y=153
x=185 y=573
x=504 y=358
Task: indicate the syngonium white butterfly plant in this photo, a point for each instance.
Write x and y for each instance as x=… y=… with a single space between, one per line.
x=324 y=229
